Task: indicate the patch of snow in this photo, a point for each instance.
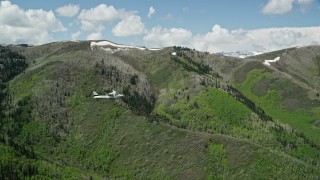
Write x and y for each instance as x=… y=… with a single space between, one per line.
x=110 y=50
x=118 y=47
x=301 y=46
x=108 y=43
x=285 y=52
x=255 y=53
x=114 y=50
x=267 y=62
x=174 y=54
x=240 y=54
x=154 y=49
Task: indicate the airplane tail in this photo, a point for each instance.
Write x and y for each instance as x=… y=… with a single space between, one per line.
x=95 y=93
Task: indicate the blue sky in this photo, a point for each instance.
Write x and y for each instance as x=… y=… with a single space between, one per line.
x=206 y=25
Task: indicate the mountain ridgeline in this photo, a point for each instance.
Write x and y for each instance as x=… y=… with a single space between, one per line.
x=185 y=114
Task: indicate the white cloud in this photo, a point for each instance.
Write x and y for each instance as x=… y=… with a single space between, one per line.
x=278 y=7
x=151 y=11
x=90 y=26
x=260 y=39
x=68 y=10
x=284 y=6
x=27 y=26
x=96 y=18
x=285 y=37
x=130 y=25
x=162 y=37
x=101 y=13
x=95 y=36
x=221 y=39
x=75 y=35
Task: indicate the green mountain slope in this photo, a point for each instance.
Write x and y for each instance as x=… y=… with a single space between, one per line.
x=193 y=115
x=286 y=99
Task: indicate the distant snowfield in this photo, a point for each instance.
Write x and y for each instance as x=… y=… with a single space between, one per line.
x=118 y=47
x=240 y=54
x=267 y=62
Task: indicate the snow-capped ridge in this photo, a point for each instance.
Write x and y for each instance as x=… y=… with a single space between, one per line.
x=240 y=54
x=267 y=62
x=113 y=47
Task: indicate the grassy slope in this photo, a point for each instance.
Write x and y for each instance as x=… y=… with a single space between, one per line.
x=299 y=63
x=288 y=95
x=107 y=139
x=300 y=119
x=272 y=104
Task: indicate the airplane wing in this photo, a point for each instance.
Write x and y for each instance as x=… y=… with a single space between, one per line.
x=113 y=92
x=119 y=95
x=95 y=93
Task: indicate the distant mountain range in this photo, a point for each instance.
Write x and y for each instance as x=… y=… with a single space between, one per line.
x=240 y=54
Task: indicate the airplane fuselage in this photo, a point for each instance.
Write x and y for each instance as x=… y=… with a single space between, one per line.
x=108 y=96
x=111 y=95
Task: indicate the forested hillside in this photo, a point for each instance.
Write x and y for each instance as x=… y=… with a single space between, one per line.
x=185 y=114
x=19 y=160
x=11 y=64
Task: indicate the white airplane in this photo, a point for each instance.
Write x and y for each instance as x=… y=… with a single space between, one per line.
x=111 y=95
